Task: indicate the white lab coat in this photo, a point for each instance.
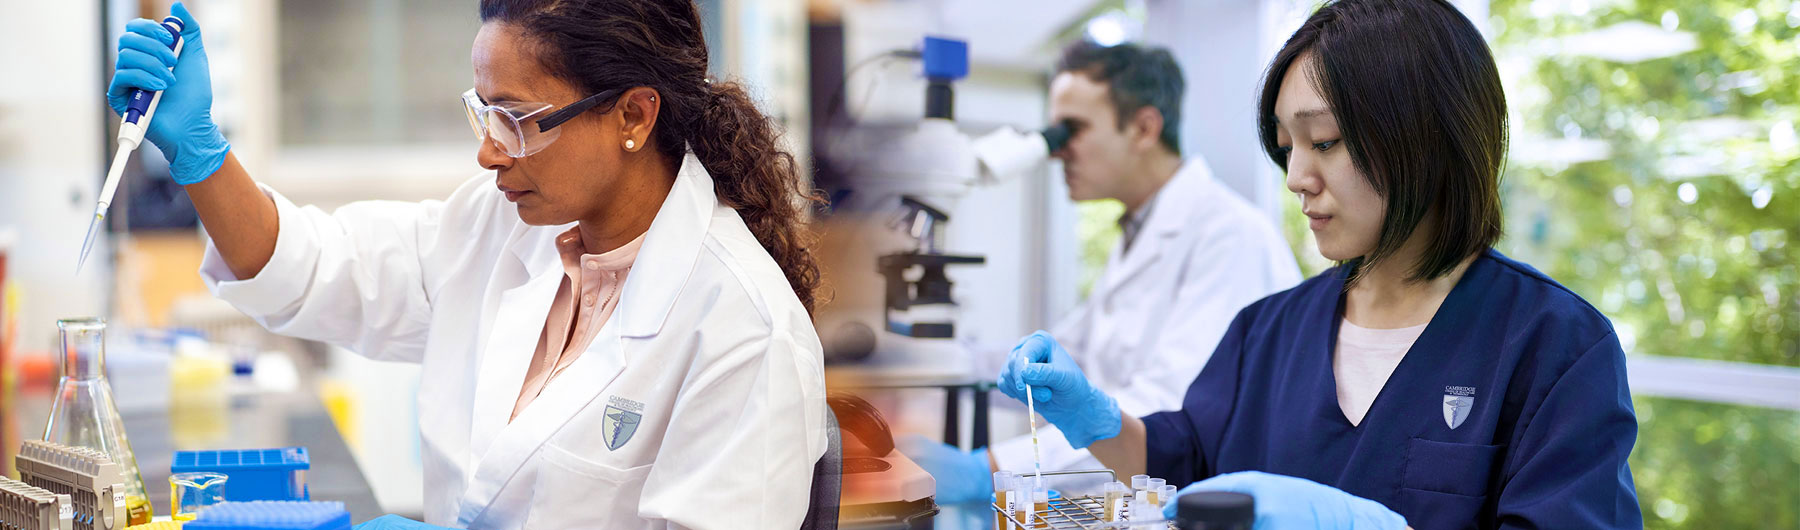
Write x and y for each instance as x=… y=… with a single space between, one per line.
x=708 y=344
x=1153 y=318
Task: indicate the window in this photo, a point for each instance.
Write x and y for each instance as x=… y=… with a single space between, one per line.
x=1655 y=171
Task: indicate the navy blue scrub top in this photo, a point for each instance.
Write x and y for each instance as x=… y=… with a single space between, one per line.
x=1510 y=411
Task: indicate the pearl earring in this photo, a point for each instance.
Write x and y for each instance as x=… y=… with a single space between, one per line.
x=629 y=144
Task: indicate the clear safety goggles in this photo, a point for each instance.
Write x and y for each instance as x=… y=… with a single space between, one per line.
x=524 y=128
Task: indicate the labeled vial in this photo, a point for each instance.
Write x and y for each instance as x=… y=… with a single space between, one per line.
x=1114 y=508
x=1167 y=495
x=1003 y=499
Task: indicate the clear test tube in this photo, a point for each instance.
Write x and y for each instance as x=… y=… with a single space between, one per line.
x=1145 y=514
x=1022 y=503
x=1040 y=505
x=1139 y=482
x=1003 y=486
x=1114 y=510
x=1167 y=495
x=1154 y=486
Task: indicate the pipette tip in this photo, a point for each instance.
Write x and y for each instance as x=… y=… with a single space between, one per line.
x=87 y=244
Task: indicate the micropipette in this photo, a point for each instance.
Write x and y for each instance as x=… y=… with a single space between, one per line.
x=1037 y=458
x=131 y=133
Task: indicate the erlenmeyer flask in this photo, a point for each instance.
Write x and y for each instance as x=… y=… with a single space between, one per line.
x=84 y=414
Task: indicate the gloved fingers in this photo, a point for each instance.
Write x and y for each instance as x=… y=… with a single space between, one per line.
x=190 y=28
x=149 y=47
x=134 y=60
x=1038 y=346
x=150 y=29
x=1009 y=376
x=125 y=80
x=1042 y=394
x=1049 y=377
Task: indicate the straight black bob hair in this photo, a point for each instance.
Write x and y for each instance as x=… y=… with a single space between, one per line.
x=1418 y=100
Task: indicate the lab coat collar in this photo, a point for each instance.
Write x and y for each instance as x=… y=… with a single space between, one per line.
x=1186 y=190
x=670 y=249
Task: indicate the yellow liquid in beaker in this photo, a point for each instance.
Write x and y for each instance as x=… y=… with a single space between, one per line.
x=137 y=510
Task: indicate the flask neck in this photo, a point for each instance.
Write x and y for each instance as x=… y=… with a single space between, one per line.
x=83 y=349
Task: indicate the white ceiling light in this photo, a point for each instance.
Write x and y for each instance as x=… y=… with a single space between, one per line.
x=1110 y=28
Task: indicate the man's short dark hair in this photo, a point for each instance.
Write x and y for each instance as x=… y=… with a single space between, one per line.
x=1137 y=77
x=1419 y=103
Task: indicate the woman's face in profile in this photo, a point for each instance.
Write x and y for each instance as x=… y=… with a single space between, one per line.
x=566 y=181
x=1343 y=210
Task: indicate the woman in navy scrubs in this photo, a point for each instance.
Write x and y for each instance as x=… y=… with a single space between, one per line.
x=1428 y=380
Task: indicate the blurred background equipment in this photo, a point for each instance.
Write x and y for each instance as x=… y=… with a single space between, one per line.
x=881 y=487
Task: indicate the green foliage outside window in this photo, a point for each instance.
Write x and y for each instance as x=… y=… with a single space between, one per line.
x=1666 y=191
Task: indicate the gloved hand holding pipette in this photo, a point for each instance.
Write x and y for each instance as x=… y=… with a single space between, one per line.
x=182 y=127
x=161 y=70
x=1061 y=392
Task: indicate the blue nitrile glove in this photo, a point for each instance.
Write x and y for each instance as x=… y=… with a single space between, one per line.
x=182 y=127
x=395 y=522
x=1288 y=502
x=961 y=477
x=1083 y=413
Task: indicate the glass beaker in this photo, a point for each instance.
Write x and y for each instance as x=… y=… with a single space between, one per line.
x=191 y=492
x=84 y=414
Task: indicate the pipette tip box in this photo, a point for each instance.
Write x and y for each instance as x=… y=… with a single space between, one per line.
x=272 y=515
x=253 y=474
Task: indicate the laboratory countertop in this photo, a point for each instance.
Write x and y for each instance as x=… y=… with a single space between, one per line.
x=246 y=420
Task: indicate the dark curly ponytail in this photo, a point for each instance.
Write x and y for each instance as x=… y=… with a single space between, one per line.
x=604 y=44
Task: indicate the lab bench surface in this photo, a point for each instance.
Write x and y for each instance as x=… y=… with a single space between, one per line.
x=251 y=420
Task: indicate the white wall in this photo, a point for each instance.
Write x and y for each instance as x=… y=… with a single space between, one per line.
x=1216 y=43
x=51 y=105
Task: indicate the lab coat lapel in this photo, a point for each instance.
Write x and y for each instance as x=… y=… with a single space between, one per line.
x=517 y=324
x=572 y=392
x=669 y=252
x=671 y=248
x=1183 y=192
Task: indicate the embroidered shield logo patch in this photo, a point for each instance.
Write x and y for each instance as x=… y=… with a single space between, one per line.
x=1458 y=401
x=620 y=424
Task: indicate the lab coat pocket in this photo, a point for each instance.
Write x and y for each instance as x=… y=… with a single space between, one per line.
x=574 y=492
x=1445 y=481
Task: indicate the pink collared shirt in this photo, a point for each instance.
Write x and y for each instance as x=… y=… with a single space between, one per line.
x=577 y=314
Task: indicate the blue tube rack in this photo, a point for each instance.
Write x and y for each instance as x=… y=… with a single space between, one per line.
x=272 y=515
x=253 y=474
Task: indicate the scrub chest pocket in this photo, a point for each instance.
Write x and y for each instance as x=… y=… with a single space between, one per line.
x=1445 y=481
